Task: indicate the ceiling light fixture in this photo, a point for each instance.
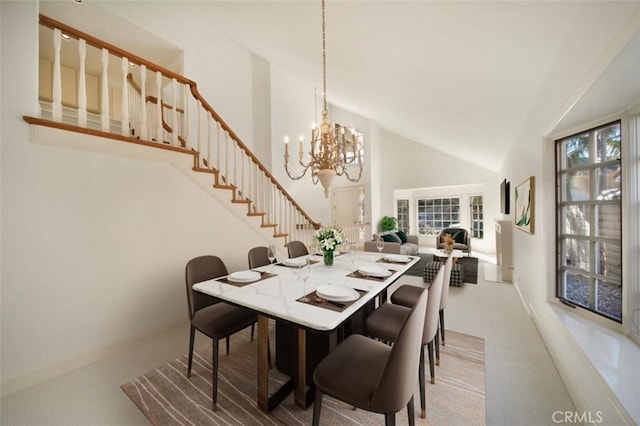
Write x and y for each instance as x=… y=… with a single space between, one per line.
x=334 y=148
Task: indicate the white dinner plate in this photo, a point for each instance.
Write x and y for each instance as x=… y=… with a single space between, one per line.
x=244 y=276
x=397 y=258
x=296 y=261
x=337 y=293
x=374 y=271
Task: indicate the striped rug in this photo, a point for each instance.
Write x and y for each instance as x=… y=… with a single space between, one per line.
x=167 y=397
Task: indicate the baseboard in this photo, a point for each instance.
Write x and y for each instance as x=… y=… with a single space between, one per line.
x=41 y=375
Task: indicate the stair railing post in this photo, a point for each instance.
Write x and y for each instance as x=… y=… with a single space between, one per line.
x=174 y=113
x=143 y=102
x=56 y=107
x=104 y=116
x=159 y=129
x=82 y=84
x=124 y=123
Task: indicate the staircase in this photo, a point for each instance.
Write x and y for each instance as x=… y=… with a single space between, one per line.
x=160 y=109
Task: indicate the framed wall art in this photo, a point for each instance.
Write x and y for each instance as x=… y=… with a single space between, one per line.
x=525 y=205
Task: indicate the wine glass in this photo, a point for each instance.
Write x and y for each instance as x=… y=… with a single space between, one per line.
x=304 y=271
x=271 y=254
x=352 y=254
x=380 y=245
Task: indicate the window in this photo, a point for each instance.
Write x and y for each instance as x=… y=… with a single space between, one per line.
x=475 y=207
x=435 y=214
x=589 y=220
x=402 y=213
x=351 y=156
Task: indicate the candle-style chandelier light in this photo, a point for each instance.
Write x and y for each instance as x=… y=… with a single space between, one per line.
x=334 y=148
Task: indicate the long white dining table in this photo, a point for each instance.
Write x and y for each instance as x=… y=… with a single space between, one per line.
x=276 y=297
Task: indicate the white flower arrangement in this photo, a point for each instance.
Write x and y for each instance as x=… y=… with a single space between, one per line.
x=328 y=239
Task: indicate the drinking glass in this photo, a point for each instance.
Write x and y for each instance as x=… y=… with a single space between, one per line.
x=305 y=271
x=380 y=244
x=271 y=254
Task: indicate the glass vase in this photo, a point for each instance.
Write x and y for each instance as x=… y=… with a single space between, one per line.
x=328 y=257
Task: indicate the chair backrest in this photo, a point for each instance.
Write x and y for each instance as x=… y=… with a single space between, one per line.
x=258 y=257
x=446 y=282
x=200 y=269
x=297 y=249
x=433 y=307
x=398 y=379
x=460 y=235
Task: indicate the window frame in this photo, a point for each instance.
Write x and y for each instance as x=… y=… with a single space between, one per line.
x=439 y=198
x=480 y=221
x=592 y=203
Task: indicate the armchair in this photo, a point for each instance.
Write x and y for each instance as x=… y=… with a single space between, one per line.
x=460 y=236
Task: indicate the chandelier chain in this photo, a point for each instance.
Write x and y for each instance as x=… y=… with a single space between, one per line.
x=324 y=64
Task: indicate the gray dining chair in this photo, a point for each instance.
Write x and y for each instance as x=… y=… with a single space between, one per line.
x=296 y=249
x=372 y=376
x=257 y=257
x=211 y=316
x=386 y=322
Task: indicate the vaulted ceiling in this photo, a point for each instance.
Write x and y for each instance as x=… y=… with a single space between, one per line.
x=462 y=77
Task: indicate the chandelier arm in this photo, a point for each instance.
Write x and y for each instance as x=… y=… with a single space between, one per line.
x=286 y=168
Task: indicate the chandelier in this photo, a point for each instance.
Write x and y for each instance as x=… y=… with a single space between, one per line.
x=333 y=148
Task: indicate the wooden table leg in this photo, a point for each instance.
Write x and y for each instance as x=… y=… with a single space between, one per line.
x=263 y=367
x=300 y=372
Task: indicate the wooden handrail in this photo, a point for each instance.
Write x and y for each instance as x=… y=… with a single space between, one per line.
x=225 y=126
x=116 y=51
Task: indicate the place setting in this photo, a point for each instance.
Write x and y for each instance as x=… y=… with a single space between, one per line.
x=335 y=297
x=372 y=272
x=395 y=259
x=242 y=278
x=296 y=262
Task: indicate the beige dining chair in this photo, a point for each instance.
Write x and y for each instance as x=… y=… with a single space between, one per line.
x=371 y=375
x=407 y=295
x=209 y=315
x=386 y=322
x=296 y=249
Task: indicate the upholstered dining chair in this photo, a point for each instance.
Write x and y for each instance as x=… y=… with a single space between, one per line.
x=209 y=315
x=370 y=375
x=258 y=257
x=297 y=249
x=386 y=322
x=407 y=295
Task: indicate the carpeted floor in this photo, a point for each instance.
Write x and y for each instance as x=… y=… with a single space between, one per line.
x=470 y=267
x=167 y=397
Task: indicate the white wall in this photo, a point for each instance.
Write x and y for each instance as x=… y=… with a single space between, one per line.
x=93 y=245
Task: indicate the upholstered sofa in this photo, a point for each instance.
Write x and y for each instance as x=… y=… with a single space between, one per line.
x=393 y=243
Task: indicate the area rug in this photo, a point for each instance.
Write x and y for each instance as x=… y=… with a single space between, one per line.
x=470 y=267
x=167 y=397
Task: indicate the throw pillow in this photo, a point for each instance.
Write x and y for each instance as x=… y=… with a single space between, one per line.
x=389 y=238
x=402 y=235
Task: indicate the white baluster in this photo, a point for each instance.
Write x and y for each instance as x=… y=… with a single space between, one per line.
x=56 y=108
x=174 y=113
x=198 y=143
x=104 y=116
x=218 y=147
x=159 y=129
x=226 y=156
x=82 y=85
x=185 y=116
x=124 y=124
x=209 y=141
x=143 y=102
